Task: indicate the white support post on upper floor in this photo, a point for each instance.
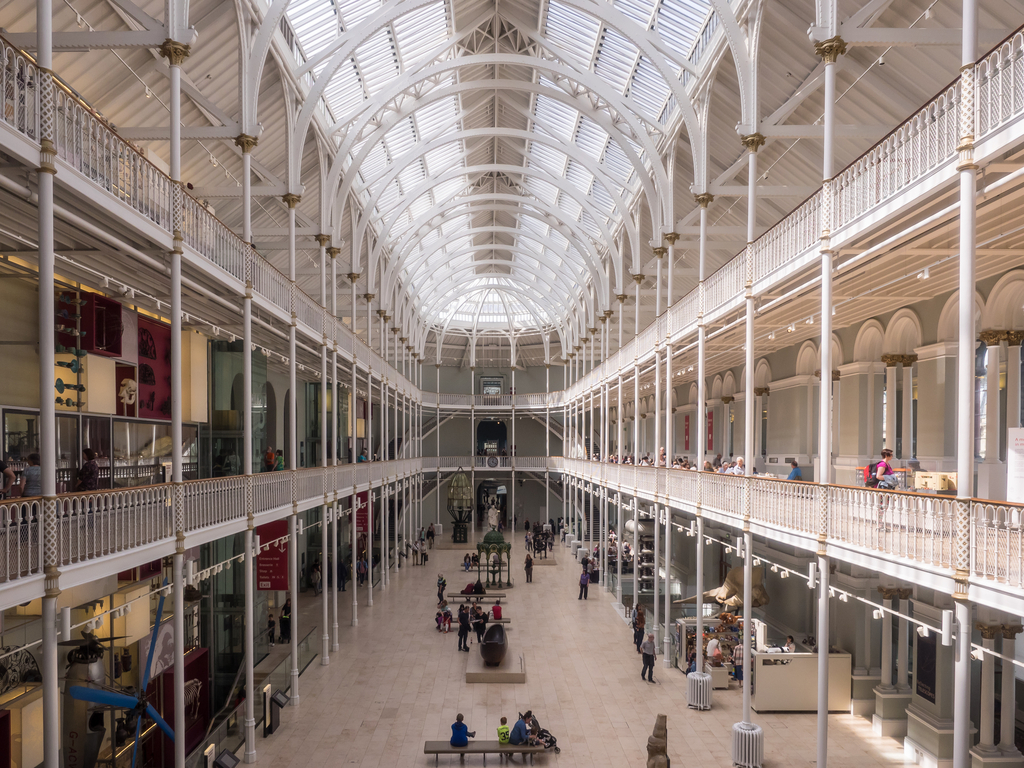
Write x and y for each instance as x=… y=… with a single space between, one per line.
x=965 y=391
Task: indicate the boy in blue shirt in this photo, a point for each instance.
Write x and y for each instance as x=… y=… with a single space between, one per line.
x=461 y=733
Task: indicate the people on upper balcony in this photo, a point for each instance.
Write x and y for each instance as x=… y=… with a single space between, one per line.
x=661 y=457
x=362 y=457
x=717 y=462
x=88 y=474
x=795 y=473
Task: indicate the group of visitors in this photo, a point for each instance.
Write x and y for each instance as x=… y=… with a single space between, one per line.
x=273 y=461
x=526 y=730
x=645 y=645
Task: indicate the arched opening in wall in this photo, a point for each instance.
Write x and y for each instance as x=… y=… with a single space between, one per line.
x=491 y=438
x=493 y=493
x=902 y=338
x=269 y=401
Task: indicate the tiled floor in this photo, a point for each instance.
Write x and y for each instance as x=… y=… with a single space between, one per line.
x=397 y=683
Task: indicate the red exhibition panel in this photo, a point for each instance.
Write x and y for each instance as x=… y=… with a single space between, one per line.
x=272 y=565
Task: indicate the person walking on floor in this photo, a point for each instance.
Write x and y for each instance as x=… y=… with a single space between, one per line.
x=639 y=620
x=430 y=536
x=361 y=570
x=464 y=628
x=441 y=586
x=286 y=621
x=529 y=568
x=584 y=583
x=650 y=652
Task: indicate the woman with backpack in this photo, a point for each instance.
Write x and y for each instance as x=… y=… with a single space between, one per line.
x=881 y=475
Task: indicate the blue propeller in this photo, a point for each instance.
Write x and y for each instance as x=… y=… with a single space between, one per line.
x=136 y=704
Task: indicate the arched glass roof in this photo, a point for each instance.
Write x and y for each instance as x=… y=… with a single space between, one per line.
x=494 y=158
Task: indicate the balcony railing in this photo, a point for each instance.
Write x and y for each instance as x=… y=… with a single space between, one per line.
x=97 y=524
x=897 y=524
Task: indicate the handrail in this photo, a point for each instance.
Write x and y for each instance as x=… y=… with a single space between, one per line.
x=901 y=524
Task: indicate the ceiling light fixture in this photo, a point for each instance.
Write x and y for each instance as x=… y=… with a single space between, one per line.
x=791 y=328
x=809 y=320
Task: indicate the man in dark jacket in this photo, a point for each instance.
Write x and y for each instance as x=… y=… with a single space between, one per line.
x=464 y=628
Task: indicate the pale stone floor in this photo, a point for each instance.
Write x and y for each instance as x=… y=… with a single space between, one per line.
x=396 y=683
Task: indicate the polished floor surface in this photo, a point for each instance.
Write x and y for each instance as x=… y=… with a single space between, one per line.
x=396 y=683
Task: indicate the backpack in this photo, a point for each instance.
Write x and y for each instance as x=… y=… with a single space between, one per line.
x=870 y=474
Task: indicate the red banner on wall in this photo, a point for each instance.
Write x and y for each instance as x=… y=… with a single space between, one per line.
x=272 y=565
x=363 y=512
x=711 y=430
x=686 y=432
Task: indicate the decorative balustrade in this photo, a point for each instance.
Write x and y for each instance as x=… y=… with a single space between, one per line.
x=214 y=501
x=21 y=543
x=99 y=523
x=794 y=235
x=20 y=81
x=926 y=141
x=896 y=524
x=999 y=84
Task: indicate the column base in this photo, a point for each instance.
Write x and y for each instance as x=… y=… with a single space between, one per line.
x=890 y=714
x=335 y=647
x=982 y=759
x=698 y=690
x=747 y=745
x=862 y=699
x=929 y=740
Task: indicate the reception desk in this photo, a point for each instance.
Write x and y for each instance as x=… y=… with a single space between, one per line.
x=788 y=682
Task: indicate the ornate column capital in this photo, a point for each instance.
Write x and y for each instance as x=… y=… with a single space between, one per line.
x=1014 y=338
x=293 y=200
x=622 y=299
x=728 y=399
x=1010 y=631
x=368 y=297
x=660 y=251
x=704 y=199
x=889 y=593
x=321 y=240
x=353 y=276
x=671 y=237
x=638 y=278
x=993 y=337
x=247 y=143
x=905 y=593
x=334 y=252
x=753 y=142
x=175 y=52
x=989 y=631
x=830 y=50
x=835 y=374
x=762 y=391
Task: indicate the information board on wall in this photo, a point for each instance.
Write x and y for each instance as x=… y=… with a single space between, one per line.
x=363 y=512
x=272 y=564
x=711 y=430
x=686 y=432
x=1015 y=464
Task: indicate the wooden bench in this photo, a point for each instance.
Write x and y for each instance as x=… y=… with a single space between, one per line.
x=485 y=748
x=496 y=597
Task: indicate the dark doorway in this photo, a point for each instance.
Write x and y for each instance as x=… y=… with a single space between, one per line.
x=491 y=439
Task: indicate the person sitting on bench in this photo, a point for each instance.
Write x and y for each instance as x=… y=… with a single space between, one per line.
x=461 y=733
x=521 y=730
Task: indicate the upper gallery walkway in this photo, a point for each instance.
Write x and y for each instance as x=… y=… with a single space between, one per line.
x=907 y=181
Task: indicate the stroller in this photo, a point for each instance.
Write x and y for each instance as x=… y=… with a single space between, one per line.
x=546 y=738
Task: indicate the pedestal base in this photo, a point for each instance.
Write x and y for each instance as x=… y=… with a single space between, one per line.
x=890 y=714
x=862 y=700
x=511 y=670
x=981 y=759
x=929 y=740
x=698 y=690
x=747 y=745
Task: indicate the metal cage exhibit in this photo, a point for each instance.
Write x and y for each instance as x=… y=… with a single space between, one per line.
x=460 y=506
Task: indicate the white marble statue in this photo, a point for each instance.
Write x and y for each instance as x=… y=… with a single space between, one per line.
x=493 y=516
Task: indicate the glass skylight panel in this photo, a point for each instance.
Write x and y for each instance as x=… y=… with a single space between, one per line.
x=411 y=176
x=570 y=206
x=438 y=115
x=354 y=11
x=344 y=93
x=680 y=21
x=420 y=31
x=638 y=10
x=444 y=158
x=616 y=163
x=615 y=59
x=579 y=177
x=649 y=89
x=378 y=61
x=558 y=119
x=572 y=30
x=547 y=157
x=591 y=138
